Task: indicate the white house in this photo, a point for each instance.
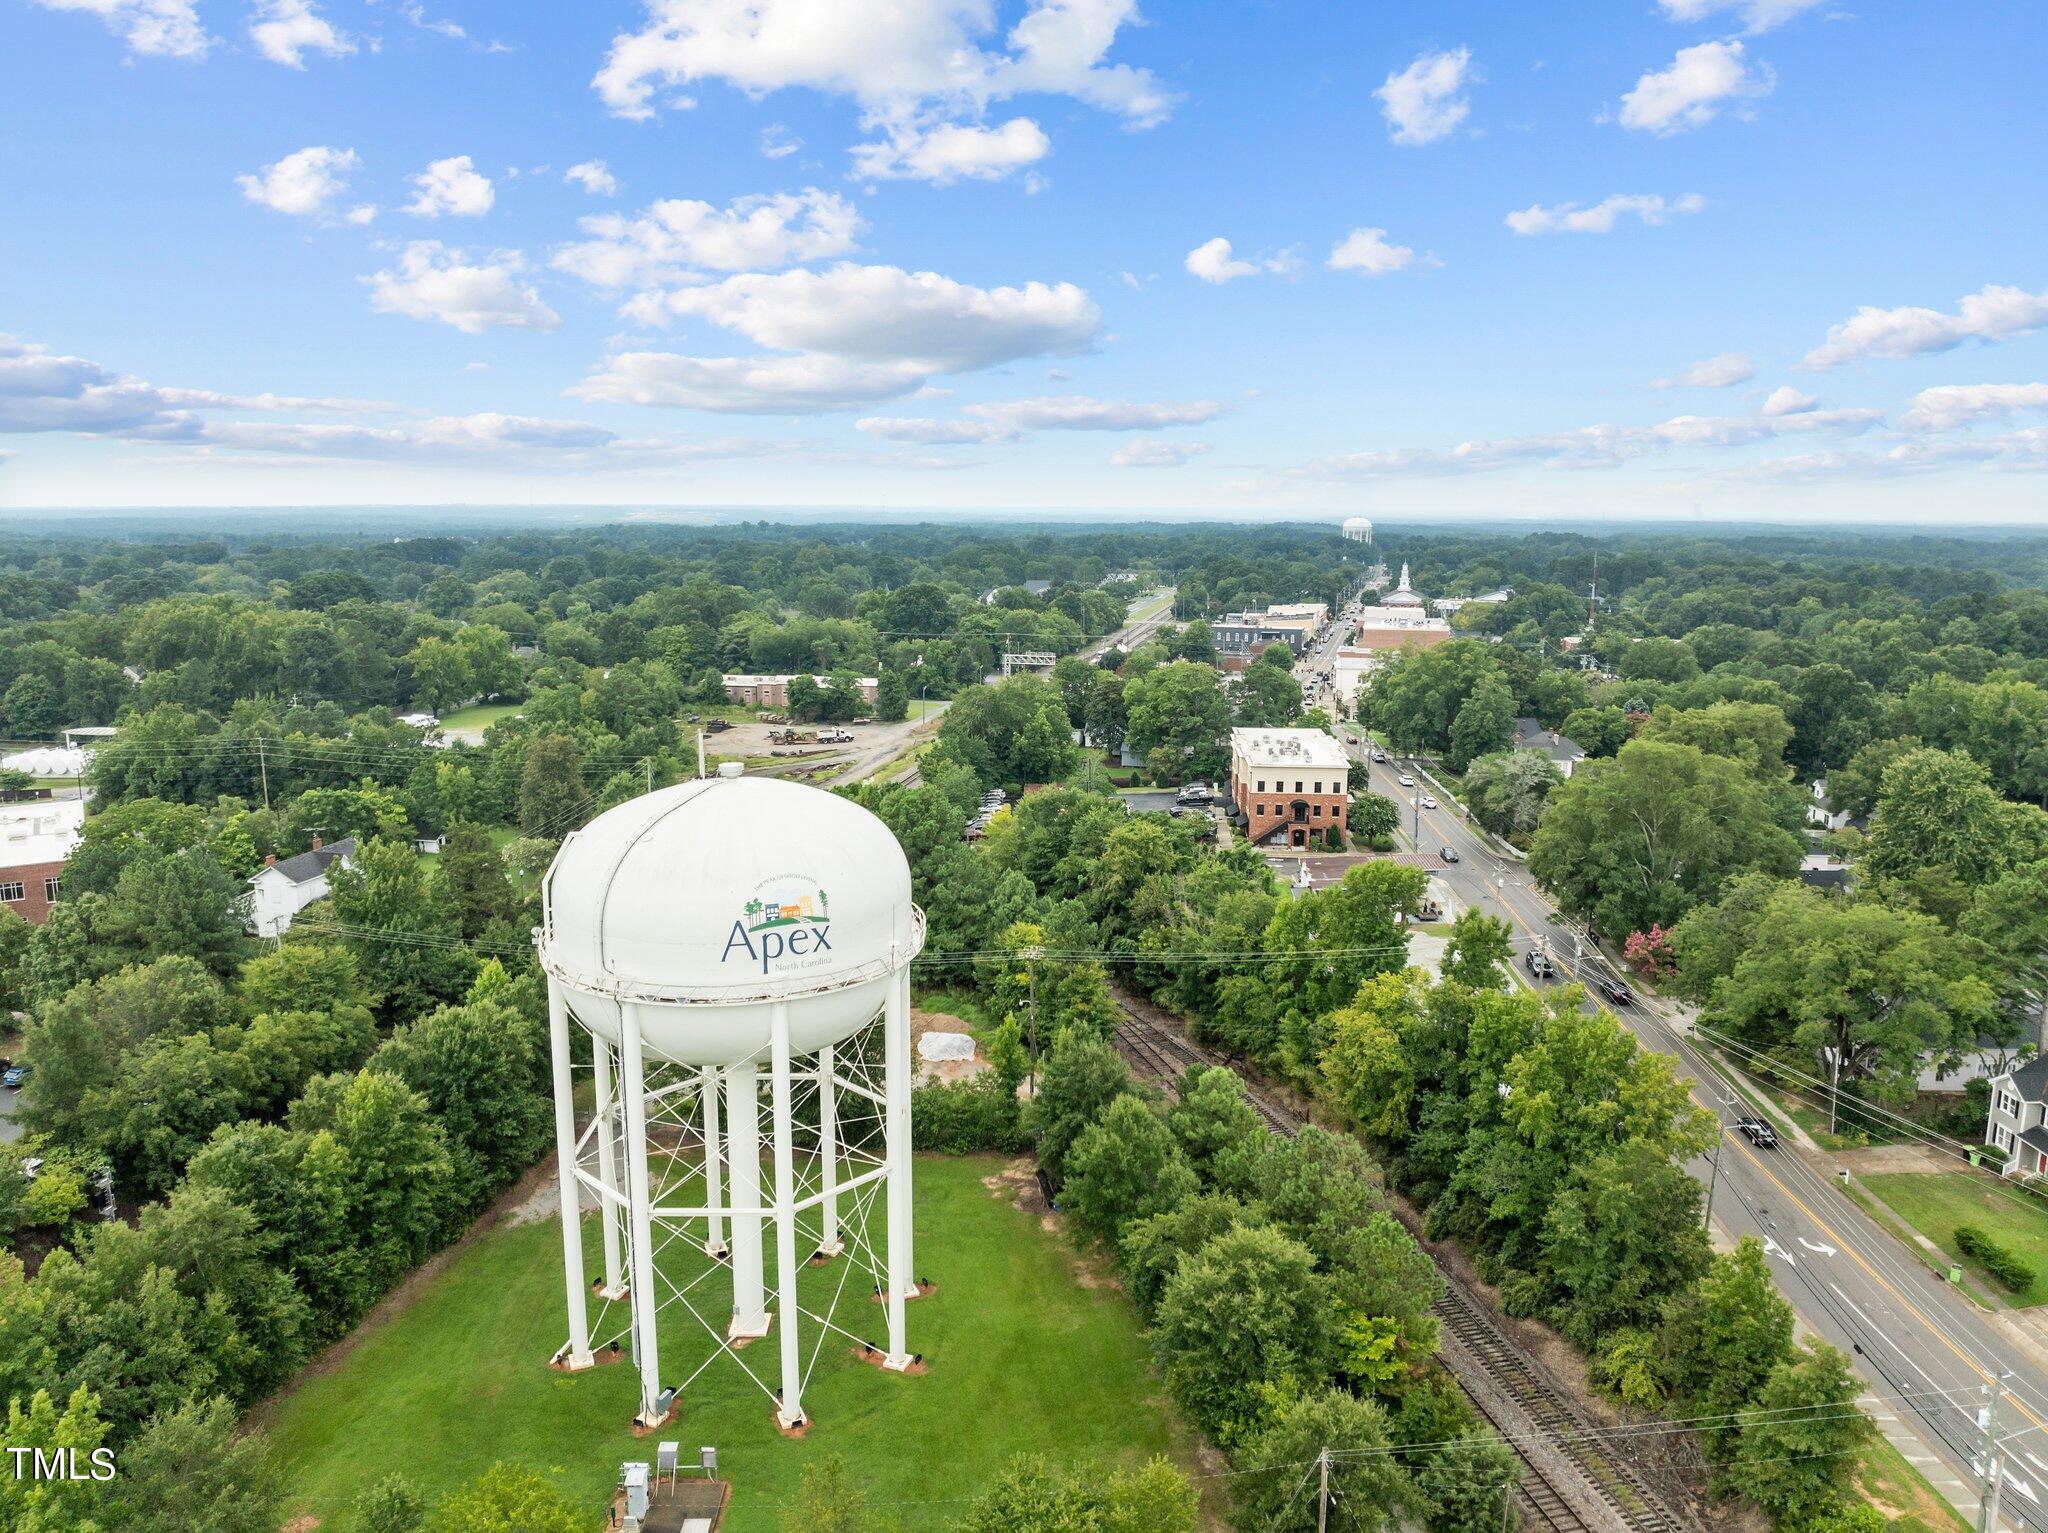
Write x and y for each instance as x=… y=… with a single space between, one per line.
x=2019 y=1102
x=1564 y=752
x=1821 y=810
x=283 y=887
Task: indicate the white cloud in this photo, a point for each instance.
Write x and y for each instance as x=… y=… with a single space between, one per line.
x=909 y=61
x=852 y=335
x=593 y=177
x=933 y=433
x=451 y=186
x=1212 y=261
x=1422 y=102
x=303 y=182
x=1601 y=217
x=1756 y=15
x=417 y=15
x=1786 y=400
x=1591 y=447
x=1990 y=314
x=150 y=28
x=1723 y=371
x=777 y=143
x=435 y=282
x=1076 y=412
x=1155 y=452
x=1690 y=91
x=1952 y=405
x=948 y=152
x=42 y=391
x=677 y=238
x=883 y=313
x=284 y=31
x=794 y=385
x=361 y=213
x=1367 y=252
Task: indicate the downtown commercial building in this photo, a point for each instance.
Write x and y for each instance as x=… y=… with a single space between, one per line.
x=1290 y=784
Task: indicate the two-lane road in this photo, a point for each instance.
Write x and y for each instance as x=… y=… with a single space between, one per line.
x=1925 y=1352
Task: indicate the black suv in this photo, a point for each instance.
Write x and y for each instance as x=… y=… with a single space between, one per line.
x=1758 y=1132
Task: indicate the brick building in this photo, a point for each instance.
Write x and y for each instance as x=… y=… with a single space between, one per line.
x=1290 y=784
x=773 y=691
x=35 y=842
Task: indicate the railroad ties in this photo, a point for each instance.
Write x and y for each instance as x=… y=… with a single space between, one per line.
x=1574 y=1480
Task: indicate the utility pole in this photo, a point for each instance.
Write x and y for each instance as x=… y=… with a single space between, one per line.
x=1323 y=1494
x=263 y=766
x=1031 y=956
x=1834 y=1084
x=1994 y=1459
x=1714 y=1179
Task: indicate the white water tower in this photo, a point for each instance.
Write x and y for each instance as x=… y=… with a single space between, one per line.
x=1358 y=529
x=713 y=938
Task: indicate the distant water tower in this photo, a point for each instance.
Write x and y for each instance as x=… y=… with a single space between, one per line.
x=715 y=938
x=1358 y=529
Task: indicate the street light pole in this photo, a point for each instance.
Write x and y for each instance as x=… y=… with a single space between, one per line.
x=1714 y=1178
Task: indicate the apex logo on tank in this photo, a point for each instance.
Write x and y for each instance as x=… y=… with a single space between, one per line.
x=781 y=921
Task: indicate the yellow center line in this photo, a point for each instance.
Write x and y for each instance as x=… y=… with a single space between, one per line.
x=1846 y=1247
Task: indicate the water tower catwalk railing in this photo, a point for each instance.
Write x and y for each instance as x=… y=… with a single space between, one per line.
x=671 y=1158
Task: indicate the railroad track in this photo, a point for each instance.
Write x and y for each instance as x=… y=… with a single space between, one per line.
x=1572 y=1481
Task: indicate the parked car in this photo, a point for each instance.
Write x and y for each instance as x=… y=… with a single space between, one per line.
x=717 y=726
x=1449 y=854
x=1539 y=963
x=1194 y=793
x=972 y=833
x=1616 y=992
x=1758 y=1132
x=15 y=1075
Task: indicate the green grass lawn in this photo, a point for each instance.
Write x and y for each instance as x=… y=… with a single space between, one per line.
x=1909 y=1503
x=1023 y=1357
x=1935 y=1202
x=480 y=717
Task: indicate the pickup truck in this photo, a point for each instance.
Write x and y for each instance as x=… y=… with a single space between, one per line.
x=835 y=736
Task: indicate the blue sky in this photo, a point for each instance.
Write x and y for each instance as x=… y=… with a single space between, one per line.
x=1655 y=258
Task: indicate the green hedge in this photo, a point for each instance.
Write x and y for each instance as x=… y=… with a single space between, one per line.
x=2008 y=1266
x=981 y=1114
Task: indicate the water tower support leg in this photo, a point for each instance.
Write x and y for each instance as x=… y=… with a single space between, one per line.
x=640 y=1196
x=749 y=1286
x=577 y=1353
x=714 y=1195
x=896 y=1061
x=829 y=1243
x=608 y=1167
x=792 y=1412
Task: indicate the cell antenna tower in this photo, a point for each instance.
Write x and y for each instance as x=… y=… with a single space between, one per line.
x=721 y=940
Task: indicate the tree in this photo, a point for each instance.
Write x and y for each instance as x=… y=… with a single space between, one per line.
x=1724 y=1339
x=391 y=1505
x=1279 y=1489
x=1417 y=694
x=1083 y=1076
x=441 y=676
x=1179 y=709
x=1483 y=724
x=398 y=929
x=1246 y=1314
x=1014 y=732
x=828 y=1499
x=32 y=1504
x=1029 y=1496
x=1643 y=838
x=1214 y=1123
x=1597 y=731
x=1507 y=791
x=1373 y=817
x=1797 y=1455
x=1340 y=936
x=469 y=875
x=553 y=798
x=1125 y=1166
x=191 y=1471
x=1878 y=989
x=32 y=707
x=1105 y=719
x=1755 y=734
x=892 y=697
x=1622 y=1236
x=1937 y=813
x=1268 y=696
x=184 y=903
x=507 y=1499
x=1480 y=949
x=1465 y=1486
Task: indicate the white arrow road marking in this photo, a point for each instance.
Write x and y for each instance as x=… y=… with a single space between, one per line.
x=1816 y=1250
x=2021 y=1486
x=1772 y=1248
x=2035 y=1462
